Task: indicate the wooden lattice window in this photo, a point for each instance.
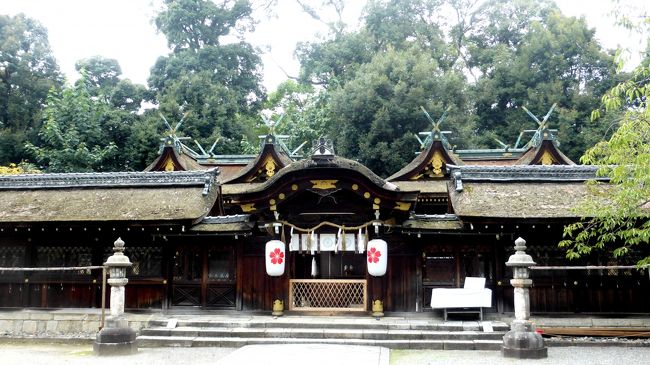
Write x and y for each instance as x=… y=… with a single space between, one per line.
x=221 y=264
x=12 y=256
x=64 y=256
x=147 y=261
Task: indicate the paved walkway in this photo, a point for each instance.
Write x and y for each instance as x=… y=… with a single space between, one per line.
x=42 y=354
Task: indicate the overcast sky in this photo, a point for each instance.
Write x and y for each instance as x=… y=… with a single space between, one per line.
x=123 y=29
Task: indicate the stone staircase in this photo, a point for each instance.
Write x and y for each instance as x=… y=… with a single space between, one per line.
x=390 y=332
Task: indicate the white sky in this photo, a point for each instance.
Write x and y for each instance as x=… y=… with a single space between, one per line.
x=123 y=30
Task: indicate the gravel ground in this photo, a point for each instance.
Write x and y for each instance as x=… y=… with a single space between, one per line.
x=63 y=354
x=47 y=354
x=556 y=356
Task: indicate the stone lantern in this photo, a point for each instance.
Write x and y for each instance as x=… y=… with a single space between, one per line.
x=522 y=341
x=116 y=338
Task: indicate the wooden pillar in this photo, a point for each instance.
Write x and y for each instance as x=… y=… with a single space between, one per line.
x=239 y=261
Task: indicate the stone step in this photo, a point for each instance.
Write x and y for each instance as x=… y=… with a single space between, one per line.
x=361 y=324
x=327 y=333
x=173 y=341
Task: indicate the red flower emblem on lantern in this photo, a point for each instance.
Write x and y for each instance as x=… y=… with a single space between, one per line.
x=373 y=255
x=277 y=256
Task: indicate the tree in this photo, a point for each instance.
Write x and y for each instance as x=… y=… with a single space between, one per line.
x=623 y=225
x=102 y=76
x=375 y=115
x=72 y=137
x=217 y=83
x=304 y=113
x=100 y=72
x=394 y=24
x=531 y=55
x=27 y=72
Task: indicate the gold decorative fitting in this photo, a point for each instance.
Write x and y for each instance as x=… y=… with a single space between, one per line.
x=377 y=200
x=278 y=307
x=272 y=201
x=355 y=187
x=324 y=184
x=169 y=165
x=294 y=187
x=281 y=196
x=547 y=159
x=402 y=206
x=437 y=163
x=375 y=206
x=270 y=166
x=377 y=308
x=247 y=207
x=273 y=207
x=366 y=195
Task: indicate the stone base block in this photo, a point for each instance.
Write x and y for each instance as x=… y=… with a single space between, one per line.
x=525 y=353
x=115 y=341
x=522 y=342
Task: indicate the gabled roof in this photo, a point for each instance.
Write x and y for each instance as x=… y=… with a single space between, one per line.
x=535 y=191
x=430 y=164
x=118 y=197
x=545 y=152
x=268 y=162
x=321 y=174
x=224 y=224
x=172 y=158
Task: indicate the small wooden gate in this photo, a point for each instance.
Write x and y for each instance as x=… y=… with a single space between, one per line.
x=328 y=295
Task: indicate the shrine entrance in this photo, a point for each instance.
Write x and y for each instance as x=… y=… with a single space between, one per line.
x=328 y=280
x=203 y=276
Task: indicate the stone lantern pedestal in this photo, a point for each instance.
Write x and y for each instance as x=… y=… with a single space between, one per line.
x=116 y=338
x=522 y=341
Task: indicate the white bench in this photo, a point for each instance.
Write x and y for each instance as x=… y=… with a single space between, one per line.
x=472 y=298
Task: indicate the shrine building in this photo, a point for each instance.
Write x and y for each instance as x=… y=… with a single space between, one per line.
x=198 y=228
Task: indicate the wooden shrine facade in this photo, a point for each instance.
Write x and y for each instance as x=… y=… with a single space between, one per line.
x=197 y=238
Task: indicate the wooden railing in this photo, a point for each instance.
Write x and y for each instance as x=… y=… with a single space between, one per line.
x=328 y=295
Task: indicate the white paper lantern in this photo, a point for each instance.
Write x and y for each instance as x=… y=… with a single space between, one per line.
x=275 y=258
x=377 y=254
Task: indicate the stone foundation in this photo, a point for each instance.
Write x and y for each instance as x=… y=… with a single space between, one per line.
x=82 y=323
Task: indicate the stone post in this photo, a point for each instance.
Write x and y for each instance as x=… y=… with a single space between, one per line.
x=116 y=338
x=522 y=341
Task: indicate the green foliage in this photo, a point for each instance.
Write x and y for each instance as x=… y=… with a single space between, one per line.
x=304 y=112
x=519 y=53
x=218 y=84
x=529 y=54
x=102 y=79
x=331 y=63
x=27 y=71
x=72 y=137
x=196 y=24
x=375 y=115
x=100 y=72
x=623 y=225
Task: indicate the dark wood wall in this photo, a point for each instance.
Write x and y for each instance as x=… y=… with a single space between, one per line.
x=415 y=266
x=57 y=247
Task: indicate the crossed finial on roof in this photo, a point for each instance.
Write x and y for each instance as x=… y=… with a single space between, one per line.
x=542 y=124
x=172 y=131
x=542 y=131
x=179 y=145
x=270 y=123
x=435 y=131
x=435 y=126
